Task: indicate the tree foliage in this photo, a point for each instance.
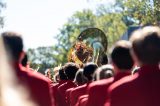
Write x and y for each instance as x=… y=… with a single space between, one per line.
x=110 y=23
x=139 y=11
x=42 y=58
x=2 y=6
x=113 y=20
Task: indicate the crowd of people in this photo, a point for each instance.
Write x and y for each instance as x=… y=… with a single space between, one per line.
x=131 y=77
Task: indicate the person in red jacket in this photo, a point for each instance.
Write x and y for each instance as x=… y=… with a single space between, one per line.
x=122 y=63
x=88 y=71
x=70 y=70
x=143 y=89
x=79 y=80
x=62 y=80
x=37 y=84
x=103 y=72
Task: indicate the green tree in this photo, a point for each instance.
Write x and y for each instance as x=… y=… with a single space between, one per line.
x=42 y=57
x=139 y=12
x=112 y=19
x=110 y=23
x=70 y=31
x=2 y=6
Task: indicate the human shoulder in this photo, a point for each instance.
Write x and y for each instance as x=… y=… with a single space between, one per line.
x=79 y=88
x=100 y=83
x=69 y=90
x=35 y=75
x=62 y=85
x=122 y=83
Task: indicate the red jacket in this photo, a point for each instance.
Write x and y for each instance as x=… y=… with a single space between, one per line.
x=82 y=100
x=97 y=90
x=37 y=85
x=68 y=93
x=55 y=90
x=143 y=89
x=77 y=92
x=62 y=92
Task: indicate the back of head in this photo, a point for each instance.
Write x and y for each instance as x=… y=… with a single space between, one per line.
x=12 y=92
x=13 y=43
x=48 y=73
x=103 y=72
x=79 y=78
x=56 y=78
x=70 y=70
x=104 y=60
x=88 y=70
x=146 y=44
x=62 y=75
x=24 y=60
x=121 y=56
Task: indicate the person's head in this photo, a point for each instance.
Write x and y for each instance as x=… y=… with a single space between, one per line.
x=121 y=57
x=48 y=74
x=56 y=69
x=104 y=59
x=9 y=82
x=70 y=70
x=14 y=44
x=24 y=60
x=56 y=78
x=62 y=75
x=89 y=69
x=79 y=78
x=80 y=46
x=146 y=45
x=103 y=72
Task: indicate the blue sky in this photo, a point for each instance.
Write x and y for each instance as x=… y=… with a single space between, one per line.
x=39 y=20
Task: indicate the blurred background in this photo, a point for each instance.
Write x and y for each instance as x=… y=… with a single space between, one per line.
x=51 y=27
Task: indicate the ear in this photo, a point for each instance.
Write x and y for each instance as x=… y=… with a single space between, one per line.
x=115 y=68
x=135 y=58
x=22 y=54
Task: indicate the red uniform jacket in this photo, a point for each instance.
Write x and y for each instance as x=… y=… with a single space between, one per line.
x=55 y=88
x=97 y=90
x=77 y=92
x=82 y=100
x=143 y=89
x=61 y=92
x=37 y=85
x=68 y=93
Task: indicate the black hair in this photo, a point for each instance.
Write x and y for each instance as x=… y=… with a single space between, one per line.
x=121 y=57
x=70 y=70
x=24 y=60
x=13 y=43
x=62 y=75
x=89 y=69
